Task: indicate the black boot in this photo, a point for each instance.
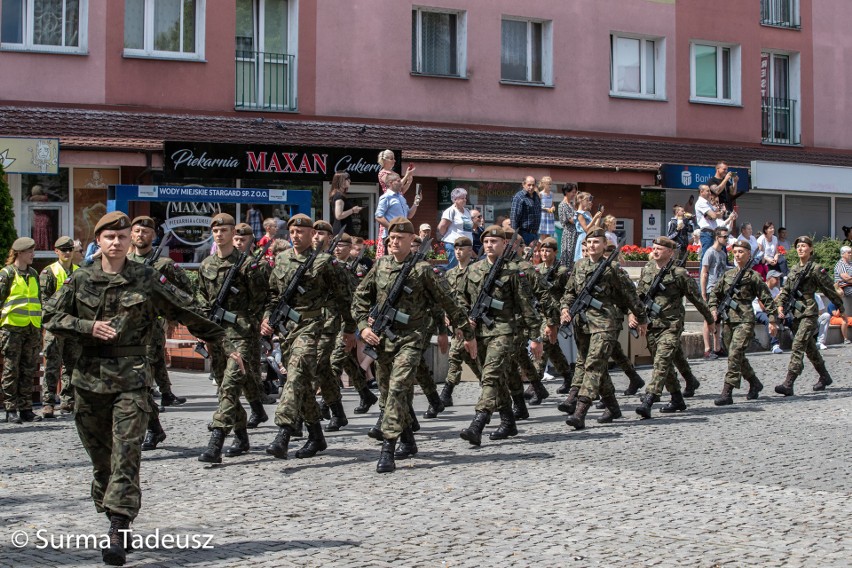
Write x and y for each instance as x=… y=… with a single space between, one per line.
x=386 y=462
x=213 y=453
x=726 y=397
x=298 y=430
x=600 y=404
x=539 y=393
x=754 y=388
x=578 y=419
x=325 y=411
x=415 y=425
x=692 y=385
x=435 y=406
x=570 y=403
x=407 y=445
x=473 y=433
x=153 y=438
x=676 y=404
x=13 y=417
x=368 y=399
x=376 y=431
x=168 y=398
x=447 y=394
x=507 y=427
x=338 y=417
x=824 y=378
x=278 y=447
x=612 y=412
x=520 y=407
x=529 y=392
x=566 y=381
x=115 y=554
x=27 y=415
x=315 y=444
x=787 y=387
x=644 y=409
x=258 y=414
x=636 y=383
x=240 y=445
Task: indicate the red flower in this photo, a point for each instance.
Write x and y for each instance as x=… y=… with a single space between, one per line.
x=781 y=250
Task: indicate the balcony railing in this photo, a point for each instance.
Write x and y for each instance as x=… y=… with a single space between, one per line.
x=780 y=13
x=779 y=121
x=264 y=81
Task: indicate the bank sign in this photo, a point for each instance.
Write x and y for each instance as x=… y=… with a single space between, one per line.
x=678 y=176
x=202 y=160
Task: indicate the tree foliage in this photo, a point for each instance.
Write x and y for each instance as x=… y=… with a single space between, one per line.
x=7 y=217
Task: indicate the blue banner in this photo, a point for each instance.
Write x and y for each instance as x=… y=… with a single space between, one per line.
x=679 y=176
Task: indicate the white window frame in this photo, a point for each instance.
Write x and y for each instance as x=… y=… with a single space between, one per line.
x=546 y=51
x=461 y=39
x=148 y=51
x=29 y=33
x=659 y=93
x=736 y=74
x=794 y=86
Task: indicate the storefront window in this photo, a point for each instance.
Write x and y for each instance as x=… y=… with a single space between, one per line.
x=90 y=195
x=807 y=215
x=843 y=215
x=280 y=211
x=492 y=199
x=44 y=206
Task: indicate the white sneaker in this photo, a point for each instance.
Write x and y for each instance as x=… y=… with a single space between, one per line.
x=777 y=349
x=822 y=346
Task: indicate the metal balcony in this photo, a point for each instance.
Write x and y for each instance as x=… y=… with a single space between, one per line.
x=264 y=81
x=779 y=121
x=780 y=14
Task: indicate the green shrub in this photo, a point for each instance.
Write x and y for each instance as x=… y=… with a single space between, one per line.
x=826 y=253
x=7 y=218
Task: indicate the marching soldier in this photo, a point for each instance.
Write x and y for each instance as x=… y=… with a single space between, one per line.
x=59 y=352
x=738 y=330
x=112 y=308
x=802 y=283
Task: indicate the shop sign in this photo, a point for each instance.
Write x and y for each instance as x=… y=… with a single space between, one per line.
x=678 y=176
x=30 y=155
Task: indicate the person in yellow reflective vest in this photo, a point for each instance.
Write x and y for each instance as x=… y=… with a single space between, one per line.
x=20 y=330
x=60 y=353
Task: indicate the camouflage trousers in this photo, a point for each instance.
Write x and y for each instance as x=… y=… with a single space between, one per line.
x=157 y=357
x=230 y=414
x=737 y=337
x=252 y=387
x=620 y=358
x=343 y=361
x=493 y=352
x=424 y=376
x=681 y=363
x=594 y=352
x=60 y=356
x=553 y=353
x=324 y=380
x=20 y=349
x=111 y=427
x=522 y=366
x=298 y=400
x=804 y=343
x=396 y=373
x=663 y=345
x=458 y=355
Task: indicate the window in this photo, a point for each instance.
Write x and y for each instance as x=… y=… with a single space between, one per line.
x=779 y=92
x=526 y=54
x=715 y=73
x=168 y=29
x=780 y=13
x=637 y=67
x=438 y=41
x=44 y=25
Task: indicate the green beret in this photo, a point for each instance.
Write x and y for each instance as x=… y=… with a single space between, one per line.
x=222 y=219
x=323 y=226
x=401 y=225
x=463 y=242
x=64 y=243
x=244 y=230
x=493 y=231
x=743 y=245
x=22 y=244
x=345 y=239
x=145 y=221
x=665 y=242
x=594 y=233
x=114 y=221
x=804 y=239
x=550 y=243
x=509 y=232
x=300 y=220
x=418 y=239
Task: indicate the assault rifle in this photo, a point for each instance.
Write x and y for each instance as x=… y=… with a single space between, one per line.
x=485 y=299
x=157 y=251
x=218 y=313
x=794 y=298
x=547 y=279
x=728 y=302
x=353 y=268
x=585 y=299
x=385 y=315
x=657 y=286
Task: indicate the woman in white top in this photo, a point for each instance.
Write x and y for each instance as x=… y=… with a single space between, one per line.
x=767 y=243
x=455 y=222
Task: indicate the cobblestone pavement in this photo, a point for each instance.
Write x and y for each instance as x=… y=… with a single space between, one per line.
x=761 y=483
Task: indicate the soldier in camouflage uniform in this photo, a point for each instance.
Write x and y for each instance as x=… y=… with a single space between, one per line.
x=666 y=325
x=242 y=332
x=398 y=360
x=112 y=308
x=324 y=283
x=494 y=344
x=597 y=331
x=60 y=353
x=805 y=313
x=458 y=354
x=738 y=330
x=20 y=330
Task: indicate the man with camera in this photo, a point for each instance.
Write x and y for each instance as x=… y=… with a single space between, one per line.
x=724 y=185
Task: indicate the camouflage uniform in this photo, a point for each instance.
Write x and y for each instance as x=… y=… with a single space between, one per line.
x=60 y=353
x=458 y=354
x=522 y=367
x=553 y=286
x=325 y=380
x=20 y=346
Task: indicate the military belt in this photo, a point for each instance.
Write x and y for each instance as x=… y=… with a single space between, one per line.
x=118 y=351
x=310 y=314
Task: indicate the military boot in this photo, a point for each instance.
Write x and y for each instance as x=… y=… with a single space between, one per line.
x=529 y=392
x=258 y=414
x=599 y=403
x=415 y=425
x=368 y=399
x=754 y=388
x=539 y=393
x=376 y=431
x=154 y=434
x=644 y=409
x=315 y=444
x=636 y=383
x=67 y=407
x=520 y=407
x=612 y=412
x=473 y=433
x=298 y=430
x=570 y=403
x=386 y=462
x=213 y=453
x=447 y=394
x=692 y=385
x=566 y=381
x=338 y=417
x=407 y=445
x=435 y=406
x=786 y=388
x=278 y=447
x=676 y=404
x=47 y=411
x=13 y=417
x=578 y=419
x=325 y=411
x=824 y=378
x=240 y=445
x=507 y=427
x=169 y=399
x=726 y=397
x=27 y=415
x=115 y=554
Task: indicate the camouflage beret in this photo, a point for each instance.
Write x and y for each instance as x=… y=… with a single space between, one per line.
x=323 y=226
x=550 y=243
x=300 y=220
x=64 y=243
x=463 y=242
x=594 y=233
x=509 y=232
x=401 y=225
x=418 y=240
x=114 y=221
x=665 y=242
x=22 y=244
x=804 y=239
x=742 y=244
x=143 y=220
x=609 y=247
x=222 y=219
x=345 y=239
x=244 y=230
x=493 y=231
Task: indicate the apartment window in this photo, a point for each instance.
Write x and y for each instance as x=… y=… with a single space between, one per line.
x=168 y=29
x=438 y=41
x=526 y=54
x=44 y=25
x=637 y=66
x=780 y=13
x=715 y=73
